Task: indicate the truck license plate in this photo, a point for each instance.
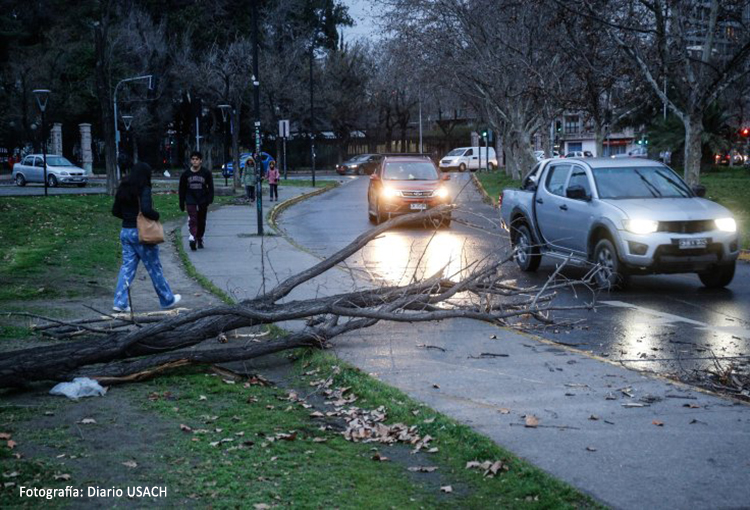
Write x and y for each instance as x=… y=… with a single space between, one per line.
x=418 y=207
x=693 y=243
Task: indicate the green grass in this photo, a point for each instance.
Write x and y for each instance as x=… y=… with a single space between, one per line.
x=335 y=473
x=307 y=183
x=725 y=185
x=63 y=246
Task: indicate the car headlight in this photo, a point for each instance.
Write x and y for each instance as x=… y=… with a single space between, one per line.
x=63 y=172
x=726 y=224
x=391 y=193
x=441 y=192
x=642 y=226
x=352 y=166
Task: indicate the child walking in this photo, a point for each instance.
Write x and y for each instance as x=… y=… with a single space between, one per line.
x=273 y=180
x=248 y=179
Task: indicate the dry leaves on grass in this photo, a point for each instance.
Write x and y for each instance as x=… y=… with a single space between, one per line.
x=446 y=488
x=422 y=469
x=489 y=467
x=378 y=457
x=658 y=423
x=87 y=421
x=130 y=464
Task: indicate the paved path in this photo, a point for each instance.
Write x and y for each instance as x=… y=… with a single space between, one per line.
x=629 y=440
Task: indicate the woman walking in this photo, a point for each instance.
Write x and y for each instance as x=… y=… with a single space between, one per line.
x=273 y=180
x=248 y=179
x=134 y=195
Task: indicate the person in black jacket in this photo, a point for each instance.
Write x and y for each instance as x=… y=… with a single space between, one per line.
x=134 y=195
x=197 y=192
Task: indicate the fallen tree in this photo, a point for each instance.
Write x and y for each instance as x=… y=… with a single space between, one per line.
x=121 y=348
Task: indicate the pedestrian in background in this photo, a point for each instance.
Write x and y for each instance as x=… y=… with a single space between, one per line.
x=248 y=179
x=197 y=193
x=273 y=180
x=134 y=196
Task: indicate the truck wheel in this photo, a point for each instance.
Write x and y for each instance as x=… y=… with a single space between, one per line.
x=526 y=254
x=719 y=277
x=610 y=274
x=461 y=167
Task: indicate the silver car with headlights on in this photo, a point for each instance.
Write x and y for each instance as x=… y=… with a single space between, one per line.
x=627 y=216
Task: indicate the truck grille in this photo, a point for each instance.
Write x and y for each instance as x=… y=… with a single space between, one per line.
x=687 y=227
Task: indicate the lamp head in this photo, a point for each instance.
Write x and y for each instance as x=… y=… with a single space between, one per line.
x=127 y=120
x=42 y=96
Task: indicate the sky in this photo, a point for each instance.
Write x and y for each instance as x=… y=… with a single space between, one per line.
x=362 y=13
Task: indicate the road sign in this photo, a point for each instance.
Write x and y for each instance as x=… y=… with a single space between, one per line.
x=284 y=128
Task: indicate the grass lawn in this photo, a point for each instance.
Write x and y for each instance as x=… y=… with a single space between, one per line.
x=63 y=245
x=727 y=186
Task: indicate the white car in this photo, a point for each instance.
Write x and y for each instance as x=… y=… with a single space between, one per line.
x=465 y=158
x=59 y=171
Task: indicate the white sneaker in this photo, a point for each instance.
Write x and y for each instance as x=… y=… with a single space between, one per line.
x=177 y=299
x=121 y=310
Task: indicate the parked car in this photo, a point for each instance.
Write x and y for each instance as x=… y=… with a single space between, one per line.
x=361 y=164
x=465 y=158
x=630 y=216
x=579 y=154
x=227 y=169
x=638 y=152
x=540 y=155
x=406 y=184
x=59 y=171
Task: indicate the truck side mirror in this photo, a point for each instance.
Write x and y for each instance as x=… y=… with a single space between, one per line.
x=577 y=192
x=699 y=190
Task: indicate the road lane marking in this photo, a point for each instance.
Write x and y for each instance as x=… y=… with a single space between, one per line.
x=668 y=319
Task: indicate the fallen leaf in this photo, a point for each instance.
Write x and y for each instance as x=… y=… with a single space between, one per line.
x=229 y=381
x=10 y=475
x=202 y=397
x=610 y=396
x=11 y=444
x=531 y=421
x=591 y=448
x=493 y=337
x=317 y=414
x=433 y=450
x=130 y=464
x=319 y=440
x=691 y=406
x=436 y=386
x=658 y=423
x=9 y=484
x=503 y=410
x=88 y=421
x=261 y=506
x=593 y=417
x=379 y=458
x=4 y=436
x=446 y=489
x=65 y=477
x=634 y=404
x=185 y=428
x=423 y=469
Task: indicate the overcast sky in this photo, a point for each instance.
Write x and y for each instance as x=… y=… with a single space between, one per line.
x=361 y=12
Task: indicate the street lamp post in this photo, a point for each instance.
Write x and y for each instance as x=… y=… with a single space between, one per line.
x=127 y=120
x=117 y=131
x=312 y=114
x=256 y=99
x=42 y=96
x=224 y=109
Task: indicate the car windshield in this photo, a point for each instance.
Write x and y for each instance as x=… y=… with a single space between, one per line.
x=456 y=152
x=640 y=182
x=357 y=159
x=58 y=161
x=410 y=171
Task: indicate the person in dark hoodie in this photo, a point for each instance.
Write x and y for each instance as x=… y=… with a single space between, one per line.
x=134 y=195
x=197 y=193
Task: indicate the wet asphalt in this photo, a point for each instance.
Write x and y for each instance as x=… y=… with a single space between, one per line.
x=667 y=324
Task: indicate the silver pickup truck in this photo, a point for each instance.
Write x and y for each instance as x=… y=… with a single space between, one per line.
x=629 y=216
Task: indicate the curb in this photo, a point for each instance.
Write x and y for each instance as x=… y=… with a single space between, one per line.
x=274 y=213
x=485 y=195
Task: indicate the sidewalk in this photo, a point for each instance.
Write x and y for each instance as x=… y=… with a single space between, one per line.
x=629 y=440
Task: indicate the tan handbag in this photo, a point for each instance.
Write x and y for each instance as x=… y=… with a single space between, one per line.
x=149 y=231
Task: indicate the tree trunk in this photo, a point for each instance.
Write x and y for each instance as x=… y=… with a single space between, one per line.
x=693 y=148
x=103 y=90
x=236 y=144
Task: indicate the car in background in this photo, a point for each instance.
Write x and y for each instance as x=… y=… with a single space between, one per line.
x=369 y=163
x=357 y=164
x=406 y=184
x=227 y=169
x=59 y=171
x=465 y=158
x=638 y=152
x=579 y=154
x=540 y=155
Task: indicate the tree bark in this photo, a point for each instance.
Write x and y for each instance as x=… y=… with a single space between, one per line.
x=693 y=148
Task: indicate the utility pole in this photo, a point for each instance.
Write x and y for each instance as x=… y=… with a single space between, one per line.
x=421 y=151
x=256 y=100
x=312 y=112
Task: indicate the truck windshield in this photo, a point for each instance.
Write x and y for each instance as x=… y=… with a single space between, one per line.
x=640 y=182
x=410 y=171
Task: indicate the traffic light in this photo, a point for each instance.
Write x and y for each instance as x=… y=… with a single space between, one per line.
x=484 y=134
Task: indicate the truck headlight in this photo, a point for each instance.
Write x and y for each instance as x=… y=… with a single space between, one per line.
x=726 y=224
x=389 y=192
x=441 y=192
x=641 y=226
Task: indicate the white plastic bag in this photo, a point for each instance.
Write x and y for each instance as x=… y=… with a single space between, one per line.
x=79 y=388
